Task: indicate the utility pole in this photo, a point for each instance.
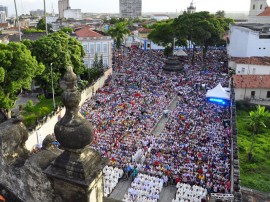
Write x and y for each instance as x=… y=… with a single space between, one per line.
x=46 y=26
x=52 y=88
x=18 y=21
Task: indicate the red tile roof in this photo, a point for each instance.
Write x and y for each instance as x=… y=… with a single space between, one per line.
x=87 y=32
x=252 y=60
x=266 y=12
x=144 y=30
x=251 y=81
x=5 y=25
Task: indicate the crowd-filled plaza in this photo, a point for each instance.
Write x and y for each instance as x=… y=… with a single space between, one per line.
x=194 y=146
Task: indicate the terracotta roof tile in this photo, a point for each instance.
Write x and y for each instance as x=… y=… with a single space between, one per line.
x=87 y=32
x=251 y=81
x=5 y=25
x=266 y=12
x=252 y=60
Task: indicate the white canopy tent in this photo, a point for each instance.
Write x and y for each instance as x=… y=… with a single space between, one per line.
x=218 y=92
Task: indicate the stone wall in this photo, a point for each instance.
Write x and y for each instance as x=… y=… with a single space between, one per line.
x=235 y=166
x=21 y=175
x=46 y=126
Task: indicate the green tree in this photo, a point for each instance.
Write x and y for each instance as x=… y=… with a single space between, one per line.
x=202 y=28
x=17 y=69
x=41 y=25
x=67 y=30
x=100 y=64
x=118 y=32
x=164 y=34
x=57 y=50
x=220 y=14
x=257 y=119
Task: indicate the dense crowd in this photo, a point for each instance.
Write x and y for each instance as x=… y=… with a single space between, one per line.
x=193 y=148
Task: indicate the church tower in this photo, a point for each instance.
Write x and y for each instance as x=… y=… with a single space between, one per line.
x=257 y=7
x=191 y=8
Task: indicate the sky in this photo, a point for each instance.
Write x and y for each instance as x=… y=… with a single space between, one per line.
x=112 y=6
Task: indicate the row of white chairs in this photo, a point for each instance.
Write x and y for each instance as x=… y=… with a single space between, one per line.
x=110 y=179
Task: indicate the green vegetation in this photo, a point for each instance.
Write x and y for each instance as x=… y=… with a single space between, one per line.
x=32 y=30
x=17 y=69
x=254 y=174
x=118 y=32
x=32 y=113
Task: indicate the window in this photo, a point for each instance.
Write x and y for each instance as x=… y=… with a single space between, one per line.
x=105 y=62
x=98 y=48
x=85 y=48
x=91 y=62
x=261 y=6
x=92 y=49
x=268 y=94
x=252 y=94
x=105 y=48
x=253 y=6
x=243 y=70
x=254 y=71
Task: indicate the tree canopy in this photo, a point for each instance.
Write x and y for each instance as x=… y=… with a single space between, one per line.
x=257 y=120
x=17 y=69
x=42 y=26
x=57 y=50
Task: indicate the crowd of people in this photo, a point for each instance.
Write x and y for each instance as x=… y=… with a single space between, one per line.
x=111 y=178
x=194 y=146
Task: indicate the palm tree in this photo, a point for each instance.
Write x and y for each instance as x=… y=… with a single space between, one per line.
x=118 y=32
x=257 y=120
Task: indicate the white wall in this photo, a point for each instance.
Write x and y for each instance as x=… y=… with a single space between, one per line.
x=249 y=69
x=73 y=14
x=246 y=43
x=241 y=93
x=37 y=136
x=259 y=19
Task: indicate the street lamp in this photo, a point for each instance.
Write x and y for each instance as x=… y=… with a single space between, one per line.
x=52 y=87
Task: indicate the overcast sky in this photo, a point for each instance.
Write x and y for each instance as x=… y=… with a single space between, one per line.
x=112 y=6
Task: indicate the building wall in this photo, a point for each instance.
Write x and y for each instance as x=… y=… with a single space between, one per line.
x=257 y=7
x=246 y=43
x=2 y=16
x=130 y=8
x=4 y=8
x=245 y=93
x=97 y=46
x=259 y=19
x=62 y=5
x=250 y=69
x=73 y=14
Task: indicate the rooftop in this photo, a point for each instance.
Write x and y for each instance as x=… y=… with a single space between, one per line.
x=252 y=60
x=251 y=81
x=266 y=12
x=87 y=32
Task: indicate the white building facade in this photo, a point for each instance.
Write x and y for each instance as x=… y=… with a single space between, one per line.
x=95 y=44
x=73 y=14
x=246 y=40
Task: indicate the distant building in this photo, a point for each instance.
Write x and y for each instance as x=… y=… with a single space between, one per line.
x=62 y=5
x=73 y=14
x=95 y=43
x=4 y=8
x=249 y=39
x=2 y=17
x=259 y=12
x=191 y=8
x=159 y=17
x=130 y=8
x=37 y=12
